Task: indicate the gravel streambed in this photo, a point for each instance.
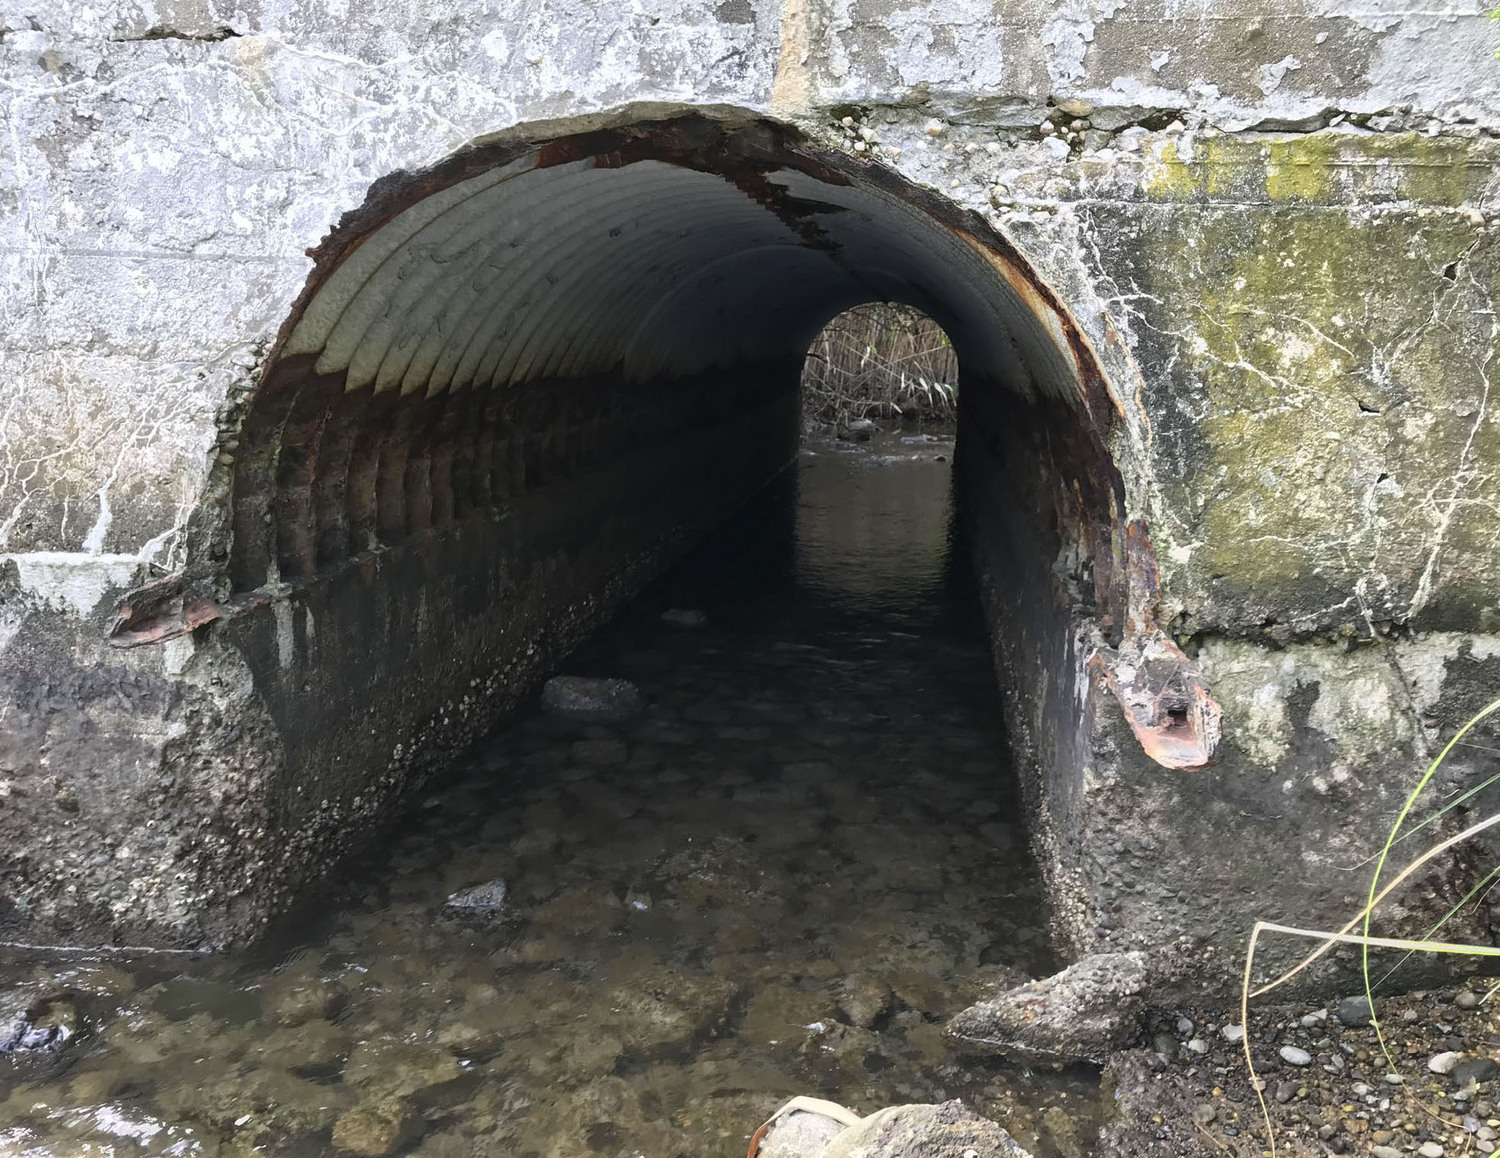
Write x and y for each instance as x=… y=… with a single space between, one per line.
x=1326 y=1080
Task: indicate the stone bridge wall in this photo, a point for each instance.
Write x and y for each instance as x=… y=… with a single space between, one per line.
x=1272 y=227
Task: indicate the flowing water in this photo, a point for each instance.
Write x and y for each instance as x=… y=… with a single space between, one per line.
x=776 y=879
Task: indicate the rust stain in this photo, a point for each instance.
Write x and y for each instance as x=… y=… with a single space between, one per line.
x=158 y=611
x=1166 y=700
x=1163 y=692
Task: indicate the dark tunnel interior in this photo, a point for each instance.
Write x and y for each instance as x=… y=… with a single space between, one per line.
x=520 y=385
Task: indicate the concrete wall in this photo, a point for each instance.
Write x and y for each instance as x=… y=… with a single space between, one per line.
x=1272 y=229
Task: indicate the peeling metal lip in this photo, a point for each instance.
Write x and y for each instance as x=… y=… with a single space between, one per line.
x=1165 y=700
x=158 y=611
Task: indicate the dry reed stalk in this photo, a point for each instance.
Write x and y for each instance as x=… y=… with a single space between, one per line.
x=879 y=361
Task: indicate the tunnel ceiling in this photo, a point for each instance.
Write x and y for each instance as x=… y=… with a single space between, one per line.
x=464 y=318
x=663 y=253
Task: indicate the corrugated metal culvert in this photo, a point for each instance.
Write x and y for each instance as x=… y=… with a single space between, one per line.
x=659 y=252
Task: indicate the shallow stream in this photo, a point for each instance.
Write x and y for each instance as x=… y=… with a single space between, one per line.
x=779 y=878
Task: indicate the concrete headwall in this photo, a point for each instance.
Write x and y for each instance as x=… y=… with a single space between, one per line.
x=1269 y=229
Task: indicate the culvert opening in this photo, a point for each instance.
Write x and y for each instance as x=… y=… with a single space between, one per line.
x=517 y=387
x=529 y=312
x=879 y=364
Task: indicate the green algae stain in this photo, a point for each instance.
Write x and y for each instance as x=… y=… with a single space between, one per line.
x=1319 y=168
x=1167 y=177
x=1300 y=168
x=1280 y=312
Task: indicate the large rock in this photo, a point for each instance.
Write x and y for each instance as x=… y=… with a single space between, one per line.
x=1082 y=1014
x=948 y=1130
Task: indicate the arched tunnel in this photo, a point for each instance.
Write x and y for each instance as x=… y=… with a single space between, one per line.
x=502 y=321
x=520 y=384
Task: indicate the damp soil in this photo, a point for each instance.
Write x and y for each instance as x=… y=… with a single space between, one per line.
x=778 y=878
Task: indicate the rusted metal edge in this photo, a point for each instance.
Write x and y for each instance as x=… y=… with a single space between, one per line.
x=1165 y=698
x=1164 y=693
x=158 y=611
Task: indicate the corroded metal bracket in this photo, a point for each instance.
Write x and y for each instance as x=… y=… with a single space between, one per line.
x=1165 y=698
x=1163 y=692
x=158 y=611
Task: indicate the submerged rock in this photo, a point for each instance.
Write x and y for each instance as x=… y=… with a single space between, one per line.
x=591 y=699
x=43 y=1024
x=488 y=897
x=1082 y=1014
x=374 y=1128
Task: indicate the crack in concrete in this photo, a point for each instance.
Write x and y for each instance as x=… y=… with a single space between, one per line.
x=162 y=32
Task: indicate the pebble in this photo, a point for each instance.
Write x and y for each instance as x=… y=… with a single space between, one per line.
x=490 y=895
x=1473 y=1070
x=1430 y=1150
x=1443 y=1063
x=1198 y=1046
x=1385 y=1152
x=1233 y=1034
x=1354 y=1011
x=1294 y=1056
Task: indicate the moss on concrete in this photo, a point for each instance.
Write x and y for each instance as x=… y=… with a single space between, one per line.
x=1323 y=168
x=1318 y=382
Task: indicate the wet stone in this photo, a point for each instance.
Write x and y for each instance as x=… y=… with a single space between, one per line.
x=390 y=1067
x=374 y=1128
x=864 y=1000
x=488 y=897
x=42 y=1024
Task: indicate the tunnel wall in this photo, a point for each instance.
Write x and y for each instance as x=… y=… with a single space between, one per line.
x=206 y=795
x=1273 y=229
x=425 y=643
